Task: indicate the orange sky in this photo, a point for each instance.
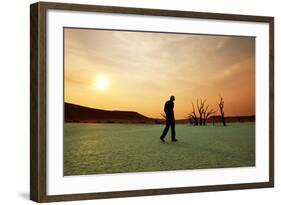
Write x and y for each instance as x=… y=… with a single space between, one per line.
x=143 y=69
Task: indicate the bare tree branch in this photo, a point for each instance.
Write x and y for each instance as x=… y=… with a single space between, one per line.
x=192 y=116
x=203 y=112
x=163 y=115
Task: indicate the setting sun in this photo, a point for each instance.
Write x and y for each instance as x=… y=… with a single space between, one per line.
x=101 y=83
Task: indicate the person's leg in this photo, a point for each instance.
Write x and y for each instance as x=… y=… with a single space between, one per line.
x=173 y=131
x=165 y=131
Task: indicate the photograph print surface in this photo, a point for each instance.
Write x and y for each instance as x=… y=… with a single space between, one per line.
x=139 y=101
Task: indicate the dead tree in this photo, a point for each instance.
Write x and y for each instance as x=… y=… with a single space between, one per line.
x=207 y=113
x=221 y=106
x=193 y=116
x=200 y=108
x=200 y=115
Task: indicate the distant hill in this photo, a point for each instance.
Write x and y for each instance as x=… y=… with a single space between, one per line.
x=77 y=113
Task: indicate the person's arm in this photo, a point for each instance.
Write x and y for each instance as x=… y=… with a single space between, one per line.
x=166 y=108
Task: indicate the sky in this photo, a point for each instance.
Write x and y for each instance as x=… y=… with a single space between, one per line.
x=139 y=71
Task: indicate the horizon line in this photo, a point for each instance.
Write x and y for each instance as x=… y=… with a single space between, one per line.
x=250 y=115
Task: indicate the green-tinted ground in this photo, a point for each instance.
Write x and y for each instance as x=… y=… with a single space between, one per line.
x=113 y=148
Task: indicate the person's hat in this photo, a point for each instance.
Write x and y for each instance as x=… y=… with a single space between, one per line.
x=172 y=97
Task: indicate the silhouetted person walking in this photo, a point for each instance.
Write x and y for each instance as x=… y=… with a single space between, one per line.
x=170 y=119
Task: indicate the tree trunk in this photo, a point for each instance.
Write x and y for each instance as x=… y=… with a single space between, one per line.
x=221 y=106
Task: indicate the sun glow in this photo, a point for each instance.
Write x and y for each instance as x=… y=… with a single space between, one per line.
x=101 y=83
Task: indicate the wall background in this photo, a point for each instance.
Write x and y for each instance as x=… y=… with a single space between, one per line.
x=14 y=103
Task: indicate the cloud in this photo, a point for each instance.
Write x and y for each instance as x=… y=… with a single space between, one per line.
x=143 y=64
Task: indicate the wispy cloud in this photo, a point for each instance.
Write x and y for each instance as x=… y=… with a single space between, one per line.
x=148 y=67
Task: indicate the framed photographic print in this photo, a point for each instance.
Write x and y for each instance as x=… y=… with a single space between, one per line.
x=134 y=102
